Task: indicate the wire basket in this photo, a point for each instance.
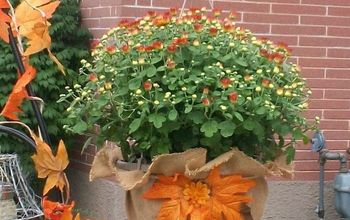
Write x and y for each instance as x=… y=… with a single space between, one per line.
x=25 y=199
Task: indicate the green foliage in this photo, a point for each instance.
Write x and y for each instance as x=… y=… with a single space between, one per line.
x=70 y=43
x=175 y=83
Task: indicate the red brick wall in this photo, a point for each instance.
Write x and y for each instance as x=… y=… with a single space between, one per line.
x=318 y=31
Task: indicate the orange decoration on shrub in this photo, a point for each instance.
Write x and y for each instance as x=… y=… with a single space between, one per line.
x=49 y=166
x=4 y=19
x=213 y=198
x=17 y=95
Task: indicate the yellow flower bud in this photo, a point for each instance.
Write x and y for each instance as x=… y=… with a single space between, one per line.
x=279 y=91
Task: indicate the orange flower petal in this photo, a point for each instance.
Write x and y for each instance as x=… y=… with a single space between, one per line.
x=192 y=199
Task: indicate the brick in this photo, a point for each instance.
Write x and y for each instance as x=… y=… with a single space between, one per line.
x=292 y=60
x=309 y=51
x=336 y=135
x=144 y=2
x=337 y=52
x=242 y=6
x=289 y=40
x=339 y=11
x=91 y=149
x=270 y=18
x=313 y=175
x=91 y=23
x=324 y=41
x=317 y=93
x=329 y=104
x=98 y=32
x=255 y=28
x=305 y=155
x=100 y=12
x=76 y=155
x=277 y=1
x=116 y=2
x=325 y=20
x=331 y=142
x=337 y=114
x=323 y=62
x=313 y=165
x=338 y=73
x=329 y=83
x=89 y=3
x=124 y=11
x=176 y=4
x=109 y=22
x=298 y=30
x=327 y=2
x=298 y=9
x=312 y=72
x=337 y=94
x=85 y=12
x=312 y=113
x=338 y=31
x=89 y=159
x=334 y=124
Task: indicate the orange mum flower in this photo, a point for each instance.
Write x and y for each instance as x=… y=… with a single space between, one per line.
x=232 y=15
x=213 y=31
x=157 y=44
x=205 y=101
x=125 y=48
x=152 y=13
x=198 y=27
x=173 y=11
x=141 y=48
x=93 y=77
x=265 y=83
x=161 y=20
x=111 y=49
x=197 y=199
x=171 y=48
x=228 y=27
x=170 y=64
x=225 y=82
x=147 y=85
x=217 y=12
x=233 y=96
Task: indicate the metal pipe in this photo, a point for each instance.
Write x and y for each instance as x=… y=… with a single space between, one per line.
x=326 y=155
x=18 y=134
x=320 y=208
x=35 y=105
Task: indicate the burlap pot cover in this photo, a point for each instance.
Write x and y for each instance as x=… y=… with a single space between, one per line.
x=193 y=164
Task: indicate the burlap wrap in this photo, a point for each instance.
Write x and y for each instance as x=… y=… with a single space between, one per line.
x=193 y=164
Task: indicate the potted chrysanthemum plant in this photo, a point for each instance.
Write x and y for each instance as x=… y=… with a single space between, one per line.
x=213 y=109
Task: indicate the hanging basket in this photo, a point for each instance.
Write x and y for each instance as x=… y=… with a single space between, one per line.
x=193 y=166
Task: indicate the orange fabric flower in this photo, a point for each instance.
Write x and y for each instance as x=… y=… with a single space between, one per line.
x=217 y=197
x=56 y=210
